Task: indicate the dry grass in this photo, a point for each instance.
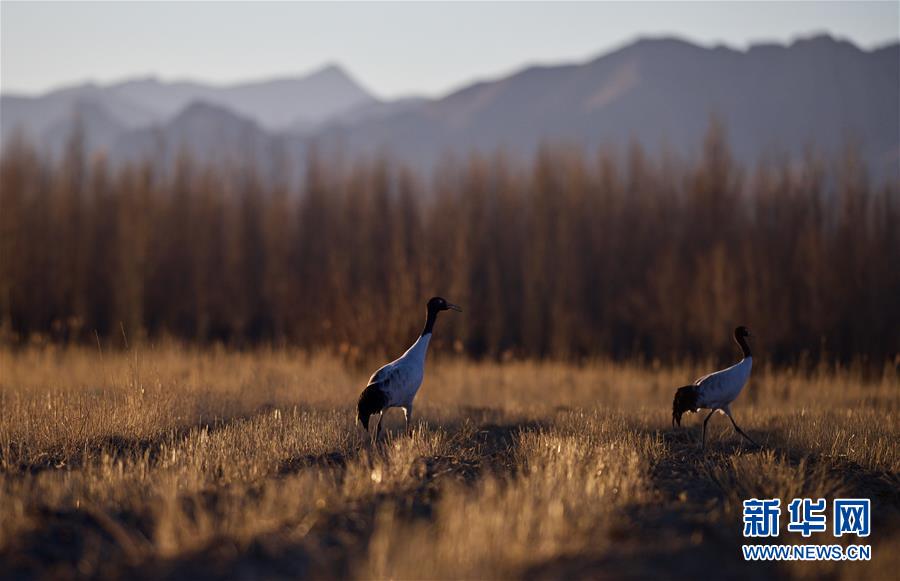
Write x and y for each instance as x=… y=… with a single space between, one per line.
x=181 y=463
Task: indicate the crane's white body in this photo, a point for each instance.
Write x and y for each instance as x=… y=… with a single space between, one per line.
x=718 y=389
x=401 y=379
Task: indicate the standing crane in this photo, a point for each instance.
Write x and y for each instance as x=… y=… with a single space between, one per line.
x=396 y=384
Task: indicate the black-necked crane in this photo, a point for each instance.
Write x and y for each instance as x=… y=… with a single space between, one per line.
x=717 y=390
x=396 y=384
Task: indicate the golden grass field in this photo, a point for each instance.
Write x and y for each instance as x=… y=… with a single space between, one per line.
x=171 y=462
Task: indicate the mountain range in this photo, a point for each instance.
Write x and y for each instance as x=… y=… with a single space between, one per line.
x=659 y=92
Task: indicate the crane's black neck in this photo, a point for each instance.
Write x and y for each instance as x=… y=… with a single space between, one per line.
x=742 y=341
x=429 y=322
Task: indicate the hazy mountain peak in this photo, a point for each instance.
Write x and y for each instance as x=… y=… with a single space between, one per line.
x=144 y=81
x=654 y=46
x=333 y=70
x=822 y=40
x=201 y=108
x=664 y=42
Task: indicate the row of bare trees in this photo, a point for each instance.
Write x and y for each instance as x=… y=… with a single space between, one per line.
x=570 y=255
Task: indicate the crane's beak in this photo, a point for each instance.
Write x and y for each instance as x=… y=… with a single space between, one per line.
x=453 y=307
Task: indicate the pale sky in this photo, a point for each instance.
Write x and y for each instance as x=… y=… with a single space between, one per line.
x=393 y=49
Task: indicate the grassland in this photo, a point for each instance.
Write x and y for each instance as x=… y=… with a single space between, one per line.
x=164 y=462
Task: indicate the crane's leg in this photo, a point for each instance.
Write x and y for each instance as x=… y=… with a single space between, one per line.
x=703 y=441
x=380 y=420
x=407 y=414
x=739 y=431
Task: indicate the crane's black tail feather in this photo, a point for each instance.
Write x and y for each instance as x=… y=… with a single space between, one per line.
x=685 y=401
x=371 y=401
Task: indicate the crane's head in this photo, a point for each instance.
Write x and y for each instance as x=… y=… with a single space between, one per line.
x=741 y=332
x=437 y=304
x=685 y=401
